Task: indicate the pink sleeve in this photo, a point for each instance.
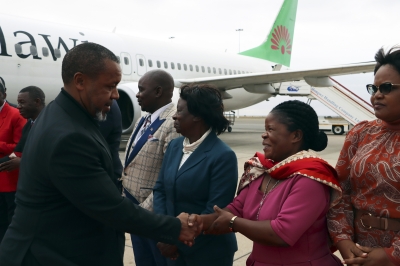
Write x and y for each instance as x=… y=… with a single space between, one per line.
x=306 y=202
x=236 y=206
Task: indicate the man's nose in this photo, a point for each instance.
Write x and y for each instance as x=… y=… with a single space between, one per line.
x=115 y=94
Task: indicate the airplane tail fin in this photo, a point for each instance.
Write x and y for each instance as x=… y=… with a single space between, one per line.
x=278 y=45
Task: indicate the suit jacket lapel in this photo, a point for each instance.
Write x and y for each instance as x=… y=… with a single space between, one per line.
x=132 y=152
x=133 y=139
x=143 y=139
x=199 y=154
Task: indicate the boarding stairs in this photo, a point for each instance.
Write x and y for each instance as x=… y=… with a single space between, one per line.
x=333 y=95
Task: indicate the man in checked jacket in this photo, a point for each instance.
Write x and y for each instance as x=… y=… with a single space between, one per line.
x=145 y=151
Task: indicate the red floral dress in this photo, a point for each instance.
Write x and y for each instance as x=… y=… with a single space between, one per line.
x=369 y=173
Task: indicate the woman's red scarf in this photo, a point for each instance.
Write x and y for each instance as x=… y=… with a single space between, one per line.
x=303 y=163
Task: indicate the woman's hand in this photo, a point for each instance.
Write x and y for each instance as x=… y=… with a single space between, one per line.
x=349 y=250
x=221 y=224
x=375 y=256
x=168 y=251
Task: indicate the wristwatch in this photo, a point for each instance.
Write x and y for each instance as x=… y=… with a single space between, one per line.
x=231 y=224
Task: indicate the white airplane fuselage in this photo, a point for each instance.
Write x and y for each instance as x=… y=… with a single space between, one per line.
x=31 y=53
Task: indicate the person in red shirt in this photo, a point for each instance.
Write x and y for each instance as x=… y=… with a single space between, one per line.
x=11 y=124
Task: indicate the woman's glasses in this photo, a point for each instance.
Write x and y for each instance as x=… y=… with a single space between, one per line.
x=384 y=88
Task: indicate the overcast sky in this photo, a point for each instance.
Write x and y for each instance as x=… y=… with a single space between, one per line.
x=327 y=32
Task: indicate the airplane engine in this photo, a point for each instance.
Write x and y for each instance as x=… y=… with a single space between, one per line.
x=130 y=109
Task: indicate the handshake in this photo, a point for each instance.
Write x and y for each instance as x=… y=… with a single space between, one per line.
x=192 y=225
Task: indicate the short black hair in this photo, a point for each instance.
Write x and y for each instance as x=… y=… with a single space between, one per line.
x=299 y=115
x=392 y=57
x=34 y=93
x=87 y=58
x=205 y=101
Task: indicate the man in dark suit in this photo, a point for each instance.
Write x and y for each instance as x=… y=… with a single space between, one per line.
x=31 y=101
x=69 y=210
x=111 y=129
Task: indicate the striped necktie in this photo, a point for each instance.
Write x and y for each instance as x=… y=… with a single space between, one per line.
x=146 y=125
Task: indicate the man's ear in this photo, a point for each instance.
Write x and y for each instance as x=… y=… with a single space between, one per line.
x=79 y=81
x=37 y=101
x=158 y=91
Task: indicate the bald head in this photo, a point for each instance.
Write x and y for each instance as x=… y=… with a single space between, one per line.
x=155 y=90
x=161 y=78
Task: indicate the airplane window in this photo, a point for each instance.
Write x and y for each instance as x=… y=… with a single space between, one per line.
x=57 y=53
x=165 y=65
x=225 y=73
x=172 y=65
x=184 y=67
x=239 y=72
x=179 y=66
x=141 y=62
x=219 y=71
x=191 y=67
x=202 y=69
x=45 y=52
x=33 y=50
x=234 y=72
x=214 y=70
x=209 y=69
x=150 y=63
x=197 y=68
x=18 y=48
x=126 y=60
x=230 y=72
x=158 y=64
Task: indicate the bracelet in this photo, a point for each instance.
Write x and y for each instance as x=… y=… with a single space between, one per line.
x=231 y=224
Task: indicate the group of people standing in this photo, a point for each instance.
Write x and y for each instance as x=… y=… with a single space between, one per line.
x=289 y=200
x=179 y=179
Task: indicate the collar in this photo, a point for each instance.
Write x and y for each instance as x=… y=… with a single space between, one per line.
x=1 y=108
x=191 y=147
x=157 y=113
x=65 y=93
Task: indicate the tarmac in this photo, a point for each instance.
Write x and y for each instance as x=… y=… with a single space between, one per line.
x=245 y=140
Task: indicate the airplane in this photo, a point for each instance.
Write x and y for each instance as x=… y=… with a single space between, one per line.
x=31 y=52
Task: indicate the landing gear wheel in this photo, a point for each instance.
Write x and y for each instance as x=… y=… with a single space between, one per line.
x=229 y=129
x=337 y=130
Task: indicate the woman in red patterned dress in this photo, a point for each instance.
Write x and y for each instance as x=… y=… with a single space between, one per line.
x=365 y=225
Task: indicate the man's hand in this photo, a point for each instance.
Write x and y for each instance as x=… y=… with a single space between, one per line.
x=221 y=224
x=10 y=165
x=376 y=256
x=190 y=228
x=168 y=251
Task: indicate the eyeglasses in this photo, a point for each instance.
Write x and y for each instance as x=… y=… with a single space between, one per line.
x=384 y=88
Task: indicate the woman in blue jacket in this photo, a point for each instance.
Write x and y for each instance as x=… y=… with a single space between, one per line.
x=198 y=172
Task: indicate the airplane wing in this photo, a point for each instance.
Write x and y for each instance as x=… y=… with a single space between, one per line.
x=237 y=81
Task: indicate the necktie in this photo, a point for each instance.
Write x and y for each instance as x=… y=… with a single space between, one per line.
x=146 y=125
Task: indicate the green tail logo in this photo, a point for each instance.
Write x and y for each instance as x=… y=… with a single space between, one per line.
x=277 y=47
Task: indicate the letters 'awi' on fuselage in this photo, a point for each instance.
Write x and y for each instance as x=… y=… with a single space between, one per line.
x=32 y=43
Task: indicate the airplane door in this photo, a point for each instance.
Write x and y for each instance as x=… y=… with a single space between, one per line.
x=126 y=63
x=141 y=64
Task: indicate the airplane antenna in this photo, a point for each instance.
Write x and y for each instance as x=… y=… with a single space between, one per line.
x=114 y=30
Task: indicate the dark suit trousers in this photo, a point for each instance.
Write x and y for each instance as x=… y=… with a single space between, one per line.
x=7 y=207
x=145 y=249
